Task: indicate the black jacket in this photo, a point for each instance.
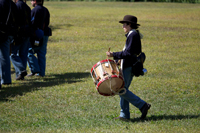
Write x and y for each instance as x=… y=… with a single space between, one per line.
x=24 y=17
x=133 y=48
x=8 y=17
x=40 y=18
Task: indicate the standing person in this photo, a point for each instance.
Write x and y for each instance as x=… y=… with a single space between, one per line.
x=40 y=20
x=8 y=11
x=128 y=57
x=19 y=49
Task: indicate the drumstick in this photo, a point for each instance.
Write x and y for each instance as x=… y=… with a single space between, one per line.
x=108 y=51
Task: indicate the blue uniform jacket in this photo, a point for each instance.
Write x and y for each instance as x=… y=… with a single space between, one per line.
x=8 y=24
x=24 y=17
x=38 y=17
x=133 y=48
x=4 y=10
x=47 y=30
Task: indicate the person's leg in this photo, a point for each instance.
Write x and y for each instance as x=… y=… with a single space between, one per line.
x=42 y=56
x=5 y=70
x=129 y=96
x=32 y=61
x=23 y=51
x=124 y=104
x=16 y=60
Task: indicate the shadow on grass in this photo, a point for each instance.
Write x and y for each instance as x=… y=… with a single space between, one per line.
x=60 y=26
x=35 y=83
x=166 y=117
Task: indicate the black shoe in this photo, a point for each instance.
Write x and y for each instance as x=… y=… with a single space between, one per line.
x=30 y=75
x=144 y=110
x=22 y=75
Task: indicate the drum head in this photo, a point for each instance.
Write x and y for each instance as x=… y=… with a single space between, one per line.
x=108 y=85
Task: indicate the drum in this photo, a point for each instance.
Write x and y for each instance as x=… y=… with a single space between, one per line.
x=107 y=78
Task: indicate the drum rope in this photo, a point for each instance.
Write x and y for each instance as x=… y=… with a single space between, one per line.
x=116 y=93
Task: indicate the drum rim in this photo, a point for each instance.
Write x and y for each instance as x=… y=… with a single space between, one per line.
x=113 y=76
x=102 y=61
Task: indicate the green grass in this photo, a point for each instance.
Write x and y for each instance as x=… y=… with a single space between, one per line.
x=66 y=100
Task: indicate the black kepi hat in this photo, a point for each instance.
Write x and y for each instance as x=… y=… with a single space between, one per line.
x=129 y=19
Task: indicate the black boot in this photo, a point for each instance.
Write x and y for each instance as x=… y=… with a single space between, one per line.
x=144 y=110
x=22 y=75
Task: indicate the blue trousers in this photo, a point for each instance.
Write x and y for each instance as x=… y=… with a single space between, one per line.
x=5 y=61
x=19 y=55
x=38 y=64
x=129 y=97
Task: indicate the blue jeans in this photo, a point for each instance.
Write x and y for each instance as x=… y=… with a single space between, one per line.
x=129 y=97
x=5 y=61
x=38 y=64
x=19 y=55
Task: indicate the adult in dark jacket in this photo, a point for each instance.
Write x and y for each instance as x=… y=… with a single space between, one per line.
x=8 y=12
x=40 y=20
x=19 y=49
x=128 y=56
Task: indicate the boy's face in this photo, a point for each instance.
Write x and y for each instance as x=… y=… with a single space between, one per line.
x=126 y=27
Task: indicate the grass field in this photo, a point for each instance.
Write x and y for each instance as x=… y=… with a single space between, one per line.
x=66 y=100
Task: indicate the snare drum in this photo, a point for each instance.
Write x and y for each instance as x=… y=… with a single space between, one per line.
x=107 y=78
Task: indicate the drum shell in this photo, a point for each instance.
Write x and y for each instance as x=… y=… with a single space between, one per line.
x=107 y=77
